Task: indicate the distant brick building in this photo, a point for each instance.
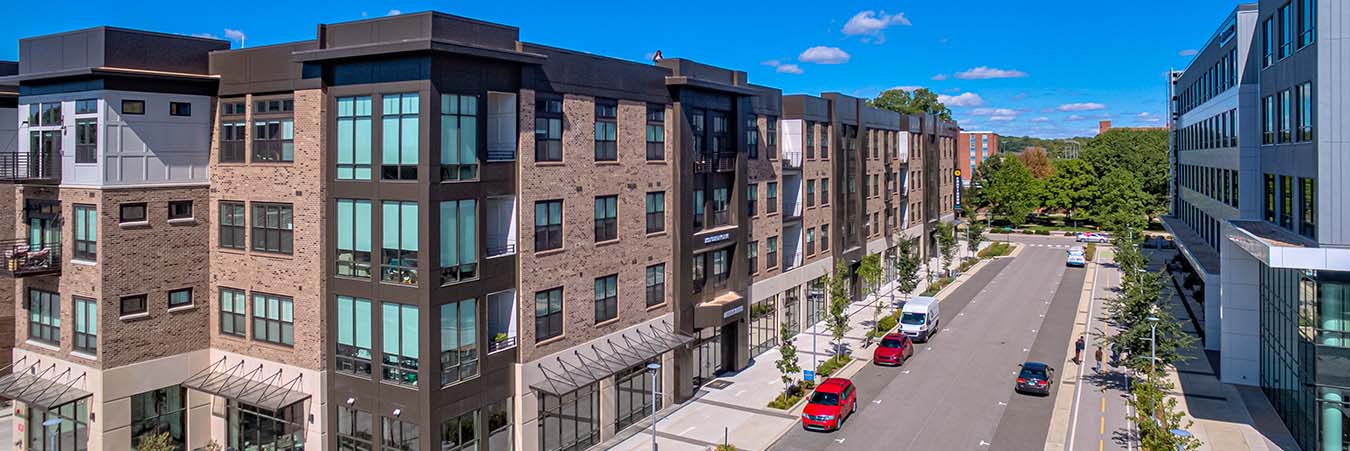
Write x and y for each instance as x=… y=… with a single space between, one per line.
x=974 y=147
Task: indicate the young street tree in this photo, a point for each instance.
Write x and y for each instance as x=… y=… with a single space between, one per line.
x=787 y=363
x=974 y=235
x=869 y=269
x=906 y=265
x=946 y=236
x=1150 y=402
x=837 y=284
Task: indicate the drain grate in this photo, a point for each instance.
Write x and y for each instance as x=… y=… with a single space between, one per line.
x=718 y=384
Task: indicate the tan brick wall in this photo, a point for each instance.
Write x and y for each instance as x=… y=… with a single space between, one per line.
x=818 y=169
x=300 y=276
x=577 y=180
x=9 y=303
x=764 y=225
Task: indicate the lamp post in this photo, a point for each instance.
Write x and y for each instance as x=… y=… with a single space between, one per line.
x=655 y=370
x=53 y=426
x=1153 y=346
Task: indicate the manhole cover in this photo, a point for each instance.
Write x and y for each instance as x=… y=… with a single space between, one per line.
x=719 y=384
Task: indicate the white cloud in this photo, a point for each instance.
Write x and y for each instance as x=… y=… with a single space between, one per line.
x=790 y=69
x=1041 y=119
x=1074 y=117
x=907 y=88
x=205 y=35
x=772 y=63
x=986 y=72
x=1088 y=106
x=824 y=55
x=940 y=77
x=993 y=112
x=873 y=24
x=394 y=12
x=1147 y=117
x=1188 y=52
x=1003 y=118
x=235 y=35
x=966 y=99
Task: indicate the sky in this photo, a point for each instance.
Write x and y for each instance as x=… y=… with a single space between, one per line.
x=1046 y=68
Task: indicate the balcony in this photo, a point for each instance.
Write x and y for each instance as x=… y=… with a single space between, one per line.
x=23 y=259
x=501 y=320
x=714 y=162
x=792 y=160
x=719 y=218
x=501 y=226
x=29 y=167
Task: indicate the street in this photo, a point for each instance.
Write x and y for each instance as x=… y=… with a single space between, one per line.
x=956 y=392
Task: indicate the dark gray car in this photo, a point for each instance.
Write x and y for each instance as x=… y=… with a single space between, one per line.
x=1035 y=378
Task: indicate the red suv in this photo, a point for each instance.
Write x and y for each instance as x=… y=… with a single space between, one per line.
x=832 y=400
x=894 y=349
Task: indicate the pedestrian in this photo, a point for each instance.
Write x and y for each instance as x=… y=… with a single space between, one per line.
x=1078 y=350
x=1098 y=368
x=1115 y=355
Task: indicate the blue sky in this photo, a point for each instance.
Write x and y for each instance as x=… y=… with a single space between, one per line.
x=1047 y=68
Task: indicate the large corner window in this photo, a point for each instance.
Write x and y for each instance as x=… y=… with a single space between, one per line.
x=273 y=319
x=398 y=248
x=353 y=341
x=353 y=238
x=353 y=138
x=356 y=430
x=548 y=125
x=606 y=130
x=86 y=232
x=399 y=127
x=158 y=412
x=252 y=427
x=459 y=137
x=459 y=341
x=86 y=326
x=570 y=421
x=399 y=332
x=86 y=140
x=44 y=317
x=548 y=311
x=459 y=240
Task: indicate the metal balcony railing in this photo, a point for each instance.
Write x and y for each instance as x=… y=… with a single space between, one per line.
x=499 y=244
x=725 y=162
x=498 y=345
x=29 y=166
x=714 y=162
x=23 y=259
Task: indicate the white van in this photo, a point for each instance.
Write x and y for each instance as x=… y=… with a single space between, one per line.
x=919 y=318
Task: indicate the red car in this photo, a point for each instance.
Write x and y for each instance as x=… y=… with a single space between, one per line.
x=894 y=349
x=829 y=404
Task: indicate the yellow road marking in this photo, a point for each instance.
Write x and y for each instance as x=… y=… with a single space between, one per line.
x=1099 y=445
x=1103 y=428
x=1103 y=405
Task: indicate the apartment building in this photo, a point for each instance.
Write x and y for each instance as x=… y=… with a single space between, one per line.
x=1265 y=199
x=219 y=211
x=973 y=147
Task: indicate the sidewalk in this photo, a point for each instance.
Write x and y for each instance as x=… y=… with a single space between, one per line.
x=737 y=410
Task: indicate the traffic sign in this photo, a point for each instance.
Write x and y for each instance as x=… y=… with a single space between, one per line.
x=809 y=375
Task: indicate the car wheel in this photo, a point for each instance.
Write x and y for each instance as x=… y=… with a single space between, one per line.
x=853 y=409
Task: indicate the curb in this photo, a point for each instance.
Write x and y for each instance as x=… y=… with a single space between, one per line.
x=1063 y=409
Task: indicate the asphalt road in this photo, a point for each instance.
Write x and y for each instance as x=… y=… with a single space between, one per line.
x=1100 y=418
x=952 y=395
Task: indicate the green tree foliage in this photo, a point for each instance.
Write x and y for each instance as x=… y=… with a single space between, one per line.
x=906 y=102
x=906 y=264
x=1008 y=189
x=974 y=235
x=837 y=284
x=156 y=442
x=869 y=269
x=1072 y=188
x=946 y=237
x=1142 y=153
x=787 y=362
x=1121 y=201
x=1150 y=402
x=1016 y=144
x=1037 y=162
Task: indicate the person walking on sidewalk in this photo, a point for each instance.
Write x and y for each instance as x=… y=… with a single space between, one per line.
x=1098 y=367
x=1078 y=350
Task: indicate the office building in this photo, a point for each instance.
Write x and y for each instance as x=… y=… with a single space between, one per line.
x=973 y=147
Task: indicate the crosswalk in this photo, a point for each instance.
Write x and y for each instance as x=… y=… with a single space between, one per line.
x=1052 y=246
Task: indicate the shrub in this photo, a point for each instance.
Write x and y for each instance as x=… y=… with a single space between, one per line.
x=967 y=264
x=725 y=447
x=794 y=394
x=937 y=286
x=1090 y=251
x=995 y=250
x=886 y=323
x=1042 y=232
x=832 y=364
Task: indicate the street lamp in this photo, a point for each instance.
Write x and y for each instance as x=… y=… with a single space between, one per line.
x=655 y=370
x=1153 y=345
x=52 y=425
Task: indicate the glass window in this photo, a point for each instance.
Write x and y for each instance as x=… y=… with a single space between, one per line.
x=771 y=197
x=1287 y=202
x=86 y=326
x=180 y=298
x=1270 y=198
x=459 y=137
x=1307 y=22
x=810 y=193
x=752 y=252
x=459 y=341
x=825 y=237
x=134 y=212
x=273 y=227
x=752 y=136
x=698 y=209
x=256 y=428
x=459 y=241
x=1308 y=210
x=72 y=433
x=825 y=191
x=180 y=109
x=353 y=340
x=606 y=130
x=86 y=232
x=460 y=433
x=499 y=424
x=656 y=132
x=86 y=140
x=273 y=106
x=180 y=209
x=1286 y=29
x=771 y=252
x=633 y=394
x=86 y=106
x=548 y=310
x=547 y=225
x=353 y=138
x=606 y=218
x=1286 y=108
x=353 y=238
x=232 y=225
x=356 y=430
x=399 y=435
x=44 y=317
x=548 y=127
x=399 y=333
x=231 y=108
x=160 y=411
x=656 y=212
x=399 y=127
x=273 y=140
x=1303 y=92
x=398 y=246
x=232 y=141
x=656 y=284
x=810 y=240
x=1268 y=42
x=232 y=312
x=273 y=319
x=571 y=421
x=606 y=298
x=1268 y=122
x=133 y=107
x=133 y=305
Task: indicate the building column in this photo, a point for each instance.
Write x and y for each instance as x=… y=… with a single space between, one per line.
x=1331 y=297
x=1332 y=420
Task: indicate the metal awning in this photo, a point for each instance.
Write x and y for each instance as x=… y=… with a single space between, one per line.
x=42 y=389
x=583 y=365
x=254 y=387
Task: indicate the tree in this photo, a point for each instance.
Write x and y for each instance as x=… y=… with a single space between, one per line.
x=787 y=362
x=1072 y=187
x=974 y=235
x=1121 y=201
x=869 y=269
x=1037 y=162
x=1156 y=416
x=946 y=236
x=157 y=442
x=906 y=264
x=837 y=283
x=1142 y=153
x=919 y=101
x=1009 y=189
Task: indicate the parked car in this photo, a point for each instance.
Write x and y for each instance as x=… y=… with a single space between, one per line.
x=833 y=400
x=1035 y=378
x=919 y=318
x=1092 y=237
x=894 y=349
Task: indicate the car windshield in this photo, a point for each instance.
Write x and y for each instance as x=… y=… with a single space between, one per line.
x=912 y=319
x=892 y=343
x=1028 y=373
x=825 y=399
